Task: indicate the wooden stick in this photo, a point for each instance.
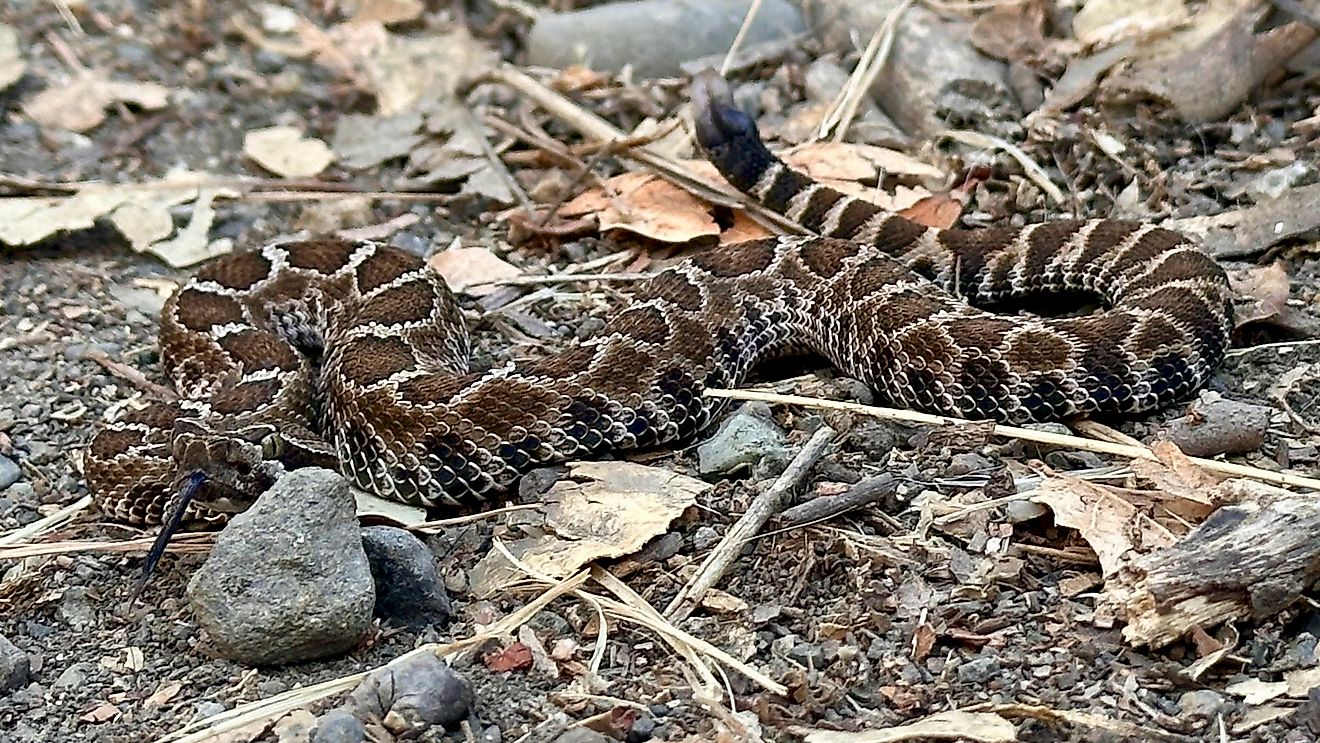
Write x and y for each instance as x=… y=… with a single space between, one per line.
x=825 y=507
x=767 y=504
x=1026 y=434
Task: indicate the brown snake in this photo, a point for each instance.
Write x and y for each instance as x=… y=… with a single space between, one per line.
x=354 y=355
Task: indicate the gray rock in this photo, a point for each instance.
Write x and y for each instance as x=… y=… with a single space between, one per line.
x=288 y=579
x=1203 y=703
x=339 y=726
x=408 y=586
x=705 y=537
x=654 y=36
x=75 y=609
x=71 y=678
x=209 y=709
x=412 y=695
x=1215 y=425
x=15 y=666
x=10 y=472
x=979 y=671
x=742 y=440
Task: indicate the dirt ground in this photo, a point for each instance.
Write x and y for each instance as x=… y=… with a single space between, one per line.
x=832 y=610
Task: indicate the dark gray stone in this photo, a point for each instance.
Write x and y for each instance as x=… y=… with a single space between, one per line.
x=288 y=579
x=979 y=671
x=15 y=666
x=408 y=586
x=742 y=440
x=655 y=37
x=10 y=472
x=339 y=726
x=412 y=695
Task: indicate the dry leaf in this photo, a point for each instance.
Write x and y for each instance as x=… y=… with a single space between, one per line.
x=646 y=205
x=295 y=727
x=1103 y=22
x=722 y=602
x=1256 y=692
x=981 y=727
x=601 y=510
x=387 y=12
x=1103 y=520
x=515 y=657
x=846 y=161
x=285 y=152
x=471 y=270
x=409 y=70
x=164 y=694
x=941 y=211
x=1262 y=292
x=12 y=65
x=1302 y=681
x=101 y=713
x=79 y=105
x=395 y=513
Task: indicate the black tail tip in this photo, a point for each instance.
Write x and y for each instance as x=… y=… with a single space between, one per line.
x=717 y=119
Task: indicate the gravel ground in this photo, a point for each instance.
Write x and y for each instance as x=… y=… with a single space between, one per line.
x=833 y=610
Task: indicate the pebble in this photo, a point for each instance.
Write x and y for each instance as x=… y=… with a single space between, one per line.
x=75 y=609
x=15 y=666
x=705 y=538
x=655 y=37
x=1202 y=703
x=288 y=579
x=741 y=440
x=339 y=726
x=71 y=678
x=978 y=671
x=641 y=730
x=408 y=586
x=10 y=472
x=412 y=695
x=209 y=709
x=1215 y=425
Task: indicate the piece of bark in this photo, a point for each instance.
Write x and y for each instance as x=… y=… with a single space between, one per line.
x=1250 y=559
x=1254 y=229
x=934 y=79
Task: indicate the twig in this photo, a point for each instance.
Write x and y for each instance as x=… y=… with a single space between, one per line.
x=765 y=505
x=1034 y=171
x=872 y=61
x=593 y=126
x=1026 y=434
x=826 y=507
x=752 y=10
x=131 y=375
x=47 y=524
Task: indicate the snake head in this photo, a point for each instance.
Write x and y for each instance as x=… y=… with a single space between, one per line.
x=233 y=465
x=726 y=132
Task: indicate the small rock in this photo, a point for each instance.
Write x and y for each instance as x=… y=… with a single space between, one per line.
x=641 y=730
x=766 y=613
x=1214 y=425
x=742 y=440
x=75 y=609
x=979 y=671
x=408 y=586
x=209 y=709
x=411 y=695
x=655 y=37
x=339 y=726
x=71 y=678
x=1202 y=703
x=10 y=472
x=965 y=463
x=288 y=579
x=14 y=666
x=705 y=538
x=1274 y=183
x=1021 y=511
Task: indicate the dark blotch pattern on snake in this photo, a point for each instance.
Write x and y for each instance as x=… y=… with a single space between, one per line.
x=354 y=355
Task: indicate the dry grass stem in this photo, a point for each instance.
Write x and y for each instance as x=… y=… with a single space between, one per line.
x=1287 y=479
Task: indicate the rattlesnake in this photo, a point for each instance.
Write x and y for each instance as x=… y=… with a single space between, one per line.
x=354 y=354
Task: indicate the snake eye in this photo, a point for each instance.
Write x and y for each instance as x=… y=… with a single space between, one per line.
x=272 y=445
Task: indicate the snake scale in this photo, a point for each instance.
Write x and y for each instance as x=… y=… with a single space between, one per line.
x=354 y=355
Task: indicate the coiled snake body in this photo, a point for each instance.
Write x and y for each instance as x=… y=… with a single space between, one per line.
x=353 y=354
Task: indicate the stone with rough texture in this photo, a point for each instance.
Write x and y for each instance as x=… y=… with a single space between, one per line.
x=288 y=579
x=408 y=586
x=14 y=666
x=10 y=472
x=655 y=37
x=339 y=726
x=412 y=695
x=741 y=440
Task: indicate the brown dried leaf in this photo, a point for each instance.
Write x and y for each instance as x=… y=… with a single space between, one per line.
x=472 y=269
x=102 y=712
x=387 y=12
x=1262 y=292
x=79 y=105
x=1012 y=33
x=515 y=657
x=1103 y=519
x=847 y=161
x=937 y=210
x=646 y=205
x=163 y=695
x=284 y=151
